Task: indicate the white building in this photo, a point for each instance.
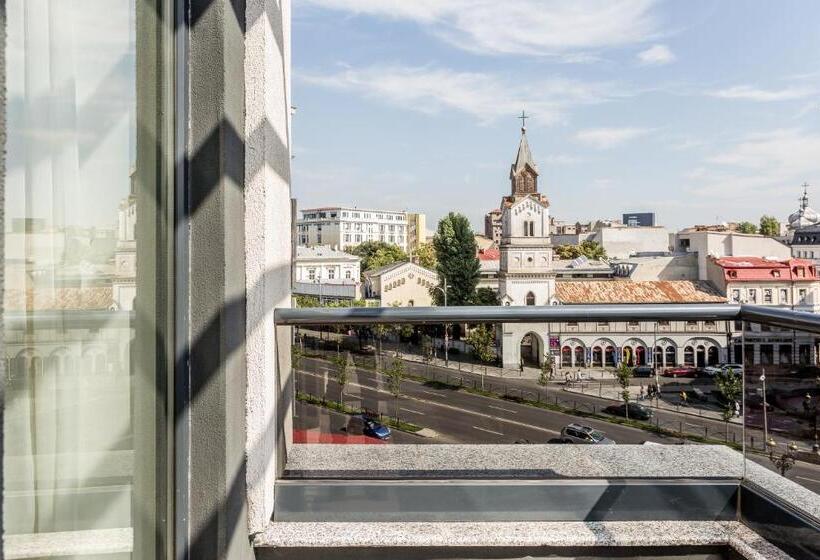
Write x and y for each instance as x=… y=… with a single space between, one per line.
x=710 y=243
x=325 y=272
x=401 y=284
x=620 y=241
x=805 y=243
x=344 y=227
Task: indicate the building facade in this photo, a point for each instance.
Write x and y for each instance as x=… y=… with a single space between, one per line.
x=343 y=227
x=416 y=231
x=402 y=284
x=492 y=225
x=805 y=243
x=639 y=219
x=324 y=272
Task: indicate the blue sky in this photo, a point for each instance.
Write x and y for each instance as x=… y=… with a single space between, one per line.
x=702 y=111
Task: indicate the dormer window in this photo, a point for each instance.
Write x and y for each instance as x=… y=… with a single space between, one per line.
x=776 y=273
x=732 y=274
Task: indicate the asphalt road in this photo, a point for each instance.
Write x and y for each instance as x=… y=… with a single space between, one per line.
x=461 y=417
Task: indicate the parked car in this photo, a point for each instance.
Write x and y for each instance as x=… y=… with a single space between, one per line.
x=643 y=371
x=712 y=371
x=576 y=433
x=680 y=371
x=636 y=411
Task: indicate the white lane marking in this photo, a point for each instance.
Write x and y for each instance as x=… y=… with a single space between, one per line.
x=807 y=478
x=439 y=395
x=502 y=408
x=411 y=411
x=488 y=431
x=456 y=408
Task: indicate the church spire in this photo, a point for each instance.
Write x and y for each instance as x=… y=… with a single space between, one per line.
x=524 y=173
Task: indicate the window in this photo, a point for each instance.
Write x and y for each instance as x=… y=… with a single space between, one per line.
x=767 y=295
x=784 y=295
x=752 y=295
x=311 y=274
x=530 y=298
x=736 y=296
x=801 y=293
x=663 y=323
x=348 y=274
x=331 y=273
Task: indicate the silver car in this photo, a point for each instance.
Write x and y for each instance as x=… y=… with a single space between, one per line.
x=576 y=433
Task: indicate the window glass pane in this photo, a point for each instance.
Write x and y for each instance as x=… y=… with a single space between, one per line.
x=85 y=305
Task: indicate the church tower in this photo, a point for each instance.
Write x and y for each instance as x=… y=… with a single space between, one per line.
x=526 y=275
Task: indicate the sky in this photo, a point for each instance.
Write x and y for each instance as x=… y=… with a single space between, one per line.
x=703 y=111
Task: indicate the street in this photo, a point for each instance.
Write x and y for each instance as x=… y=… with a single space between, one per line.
x=462 y=417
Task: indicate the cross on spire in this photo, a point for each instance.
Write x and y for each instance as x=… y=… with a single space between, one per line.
x=804 y=200
x=523 y=118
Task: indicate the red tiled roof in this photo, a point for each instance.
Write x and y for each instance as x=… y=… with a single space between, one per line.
x=756 y=269
x=489 y=254
x=625 y=291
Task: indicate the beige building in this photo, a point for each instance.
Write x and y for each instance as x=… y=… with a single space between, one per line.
x=402 y=284
x=416 y=231
x=710 y=243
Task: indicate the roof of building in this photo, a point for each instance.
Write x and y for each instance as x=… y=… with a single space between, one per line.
x=625 y=291
x=524 y=155
x=489 y=254
x=393 y=266
x=323 y=252
x=755 y=269
x=809 y=235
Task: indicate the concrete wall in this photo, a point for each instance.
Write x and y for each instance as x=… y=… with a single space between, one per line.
x=673 y=267
x=621 y=242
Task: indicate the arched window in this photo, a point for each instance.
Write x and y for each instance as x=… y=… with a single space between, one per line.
x=671 y=358
x=689 y=356
x=566 y=356
x=530 y=298
x=579 y=356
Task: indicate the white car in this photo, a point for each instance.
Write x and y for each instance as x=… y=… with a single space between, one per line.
x=711 y=371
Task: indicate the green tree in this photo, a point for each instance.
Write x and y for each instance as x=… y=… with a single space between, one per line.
x=457 y=262
x=428 y=351
x=375 y=254
x=395 y=373
x=546 y=369
x=588 y=248
x=769 y=226
x=624 y=375
x=343 y=365
x=746 y=227
x=729 y=384
x=567 y=252
x=482 y=341
x=485 y=296
x=425 y=256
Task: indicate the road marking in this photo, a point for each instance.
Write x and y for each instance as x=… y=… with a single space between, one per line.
x=807 y=478
x=502 y=408
x=411 y=411
x=488 y=431
x=434 y=394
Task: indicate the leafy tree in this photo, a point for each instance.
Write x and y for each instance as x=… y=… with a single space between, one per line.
x=482 y=341
x=394 y=374
x=769 y=226
x=588 y=248
x=375 y=254
x=342 y=363
x=306 y=301
x=546 y=369
x=457 y=262
x=425 y=256
x=624 y=375
x=729 y=384
x=485 y=296
x=746 y=227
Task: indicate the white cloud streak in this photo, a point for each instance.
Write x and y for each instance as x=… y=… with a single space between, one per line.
x=751 y=93
x=606 y=138
x=535 y=27
x=656 y=55
x=484 y=96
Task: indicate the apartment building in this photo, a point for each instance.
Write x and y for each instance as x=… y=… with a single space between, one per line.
x=343 y=227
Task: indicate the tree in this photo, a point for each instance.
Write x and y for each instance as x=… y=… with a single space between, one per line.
x=546 y=369
x=425 y=256
x=375 y=254
x=342 y=364
x=624 y=376
x=746 y=227
x=428 y=351
x=769 y=226
x=588 y=248
x=482 y=341
x=394 y=375
x=729 y=384
x=485 y=296
x=457 y=262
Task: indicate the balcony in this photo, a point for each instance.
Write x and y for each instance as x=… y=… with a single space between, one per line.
x=477 y=462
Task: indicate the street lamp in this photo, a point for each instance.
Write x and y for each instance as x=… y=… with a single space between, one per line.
x=446 y=338
x=784 y=461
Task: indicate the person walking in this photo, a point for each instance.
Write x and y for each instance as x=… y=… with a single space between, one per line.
x=684 y=399
x=640 y=394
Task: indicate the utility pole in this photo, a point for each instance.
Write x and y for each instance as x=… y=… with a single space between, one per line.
x=446 y=338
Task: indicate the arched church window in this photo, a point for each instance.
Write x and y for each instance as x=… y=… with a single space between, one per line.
x=530 y=298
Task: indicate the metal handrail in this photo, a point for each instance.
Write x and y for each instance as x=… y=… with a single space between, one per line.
x=505 y=314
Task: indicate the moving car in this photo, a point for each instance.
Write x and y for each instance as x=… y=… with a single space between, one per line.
x=576 y=433
x=643 y=371
x=711 y=371
x=636 y=411
x=366 y=425
x=680 y=371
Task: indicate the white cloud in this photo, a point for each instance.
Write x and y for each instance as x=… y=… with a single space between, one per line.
x=544 y=27
x=605 y=138
x=484 y=96
x=751 y=93
x=656 y=55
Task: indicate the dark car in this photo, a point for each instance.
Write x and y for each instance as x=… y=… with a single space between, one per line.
x=375 y=429
x=636 y=411
x=643 y=371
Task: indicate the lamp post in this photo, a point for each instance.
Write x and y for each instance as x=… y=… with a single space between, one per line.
x=765 y=412
x=783 y=461
x=446 y=338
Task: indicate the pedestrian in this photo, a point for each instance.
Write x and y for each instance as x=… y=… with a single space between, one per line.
x=683 y=398
x=737 y=409
x=521 y=366
x=640 y=394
